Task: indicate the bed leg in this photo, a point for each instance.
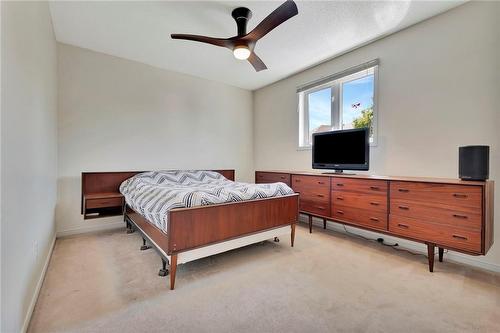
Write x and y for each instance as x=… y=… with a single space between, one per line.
x=173 y=269
x=292 y=236
x=163 y=271
x=130 y=229
x=144 y=245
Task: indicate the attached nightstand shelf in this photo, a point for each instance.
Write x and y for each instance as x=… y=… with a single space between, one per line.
x=101 y=195
x=104 y=204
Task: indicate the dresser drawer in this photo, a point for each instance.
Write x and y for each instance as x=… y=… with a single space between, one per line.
x=103 y=202
x=445 y=215
x=457 y=238
x=370 y=186
x=272 y=177
x=374 y=202
x=317 y=195
x=372 y=219
x=454 y=195
x=318 y=182
x=315 y=208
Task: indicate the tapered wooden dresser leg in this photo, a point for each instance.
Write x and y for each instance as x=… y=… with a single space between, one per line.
x=292 y=236
x=310 y=224
x=430 y=255
x=324 y=223
x=173 y=269
x=441 y=252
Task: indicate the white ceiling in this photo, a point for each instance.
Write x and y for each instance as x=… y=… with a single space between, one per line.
x=140 y=31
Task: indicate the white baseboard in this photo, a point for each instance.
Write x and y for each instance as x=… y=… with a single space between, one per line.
x=31 y=307
x=90 y=229
x=408 y=245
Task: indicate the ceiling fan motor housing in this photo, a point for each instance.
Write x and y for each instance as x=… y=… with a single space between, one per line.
x=241 y=15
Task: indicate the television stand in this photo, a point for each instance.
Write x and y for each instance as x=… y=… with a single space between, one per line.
x=444 y=213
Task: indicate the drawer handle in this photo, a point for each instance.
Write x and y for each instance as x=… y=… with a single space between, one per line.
x=404 y=207
x=374 y=188
x=340 y=212
x=297 y=180
x=320 y=195
x=460 y=237
x=340 y=198
x=374 y=219
x=458 y=216
x=459 y=195
x=319 y=207
x=404 y=190
x=340 y=184
x=404 y=226
x=321 y=183
x=282 y=177
x=374 y=203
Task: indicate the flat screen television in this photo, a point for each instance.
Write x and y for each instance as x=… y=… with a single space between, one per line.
x=341 y=150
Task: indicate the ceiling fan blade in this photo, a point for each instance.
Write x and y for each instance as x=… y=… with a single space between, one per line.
x=256 y=62
x=284 y=12
x=222 y=42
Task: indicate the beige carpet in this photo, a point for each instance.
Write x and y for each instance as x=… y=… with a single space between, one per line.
x=328 y=283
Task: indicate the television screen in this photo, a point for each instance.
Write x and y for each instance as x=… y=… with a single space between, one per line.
x=341 y=150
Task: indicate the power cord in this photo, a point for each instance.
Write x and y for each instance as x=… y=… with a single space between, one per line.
x=394 y=246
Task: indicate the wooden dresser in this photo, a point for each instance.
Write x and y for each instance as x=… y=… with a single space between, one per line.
x=444 y=213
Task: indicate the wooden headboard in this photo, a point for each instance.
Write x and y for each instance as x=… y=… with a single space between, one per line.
x=109 y=182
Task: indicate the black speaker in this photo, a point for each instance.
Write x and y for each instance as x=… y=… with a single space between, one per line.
x=474 y=162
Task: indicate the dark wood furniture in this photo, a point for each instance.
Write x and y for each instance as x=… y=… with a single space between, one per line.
x=101 y=195
x=444 y=213
x=200 y=231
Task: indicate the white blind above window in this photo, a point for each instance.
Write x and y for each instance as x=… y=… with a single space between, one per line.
x=332 y=77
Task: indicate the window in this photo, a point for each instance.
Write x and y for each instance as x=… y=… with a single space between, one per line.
x=341 y=101
x=319 y=106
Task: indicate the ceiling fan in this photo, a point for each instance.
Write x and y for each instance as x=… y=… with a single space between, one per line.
x=243 y=43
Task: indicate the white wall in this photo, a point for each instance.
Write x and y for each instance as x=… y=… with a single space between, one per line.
x=439 y=89
x=116 y=114
x=28 y=154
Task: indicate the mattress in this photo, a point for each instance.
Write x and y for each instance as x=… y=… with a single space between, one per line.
x=153 y=194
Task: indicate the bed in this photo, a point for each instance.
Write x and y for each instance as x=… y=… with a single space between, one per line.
x=188 y=215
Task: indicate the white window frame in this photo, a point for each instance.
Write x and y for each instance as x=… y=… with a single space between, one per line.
x=336 y=86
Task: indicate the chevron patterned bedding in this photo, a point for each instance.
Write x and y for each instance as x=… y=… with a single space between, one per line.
x=153 y=194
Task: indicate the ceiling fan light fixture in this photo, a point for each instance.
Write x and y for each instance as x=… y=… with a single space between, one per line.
x=241 y=52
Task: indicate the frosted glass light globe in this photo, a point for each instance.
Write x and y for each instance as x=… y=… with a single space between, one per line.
x=241 y=52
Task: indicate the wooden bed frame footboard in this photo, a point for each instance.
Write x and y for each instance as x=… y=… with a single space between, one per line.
x=196 y=227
